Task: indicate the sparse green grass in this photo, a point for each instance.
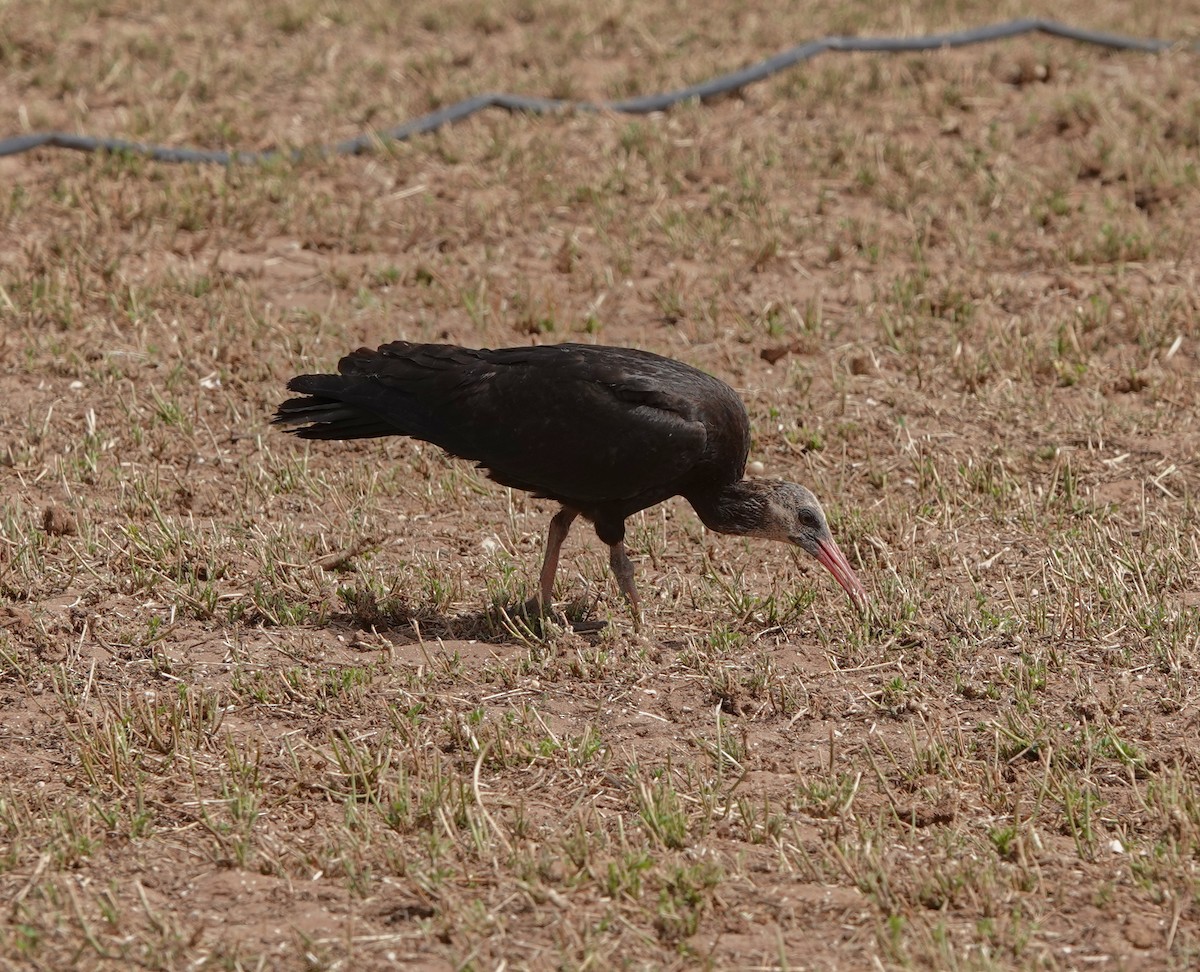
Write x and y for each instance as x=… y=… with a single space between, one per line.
x=268 y=704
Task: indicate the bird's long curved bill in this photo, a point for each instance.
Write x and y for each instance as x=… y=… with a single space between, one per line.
x=835 y=562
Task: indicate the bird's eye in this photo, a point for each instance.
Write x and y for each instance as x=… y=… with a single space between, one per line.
x=808 y=519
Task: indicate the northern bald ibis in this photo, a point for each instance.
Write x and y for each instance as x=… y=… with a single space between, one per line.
x=603 y=431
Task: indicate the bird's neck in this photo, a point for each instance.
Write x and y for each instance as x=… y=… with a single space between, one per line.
x=738 y=508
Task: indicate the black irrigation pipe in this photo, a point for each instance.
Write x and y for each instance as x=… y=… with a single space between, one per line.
x=641 y=105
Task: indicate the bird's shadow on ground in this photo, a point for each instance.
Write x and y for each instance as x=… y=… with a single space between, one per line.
x=514 y=624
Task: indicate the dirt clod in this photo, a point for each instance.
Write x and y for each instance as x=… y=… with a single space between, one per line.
x=58 y=521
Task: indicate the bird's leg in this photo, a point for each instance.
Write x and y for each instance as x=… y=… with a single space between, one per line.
x=559 y=527
x=622 y=568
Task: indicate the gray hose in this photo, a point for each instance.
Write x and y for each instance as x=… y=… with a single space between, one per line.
x=641 y=105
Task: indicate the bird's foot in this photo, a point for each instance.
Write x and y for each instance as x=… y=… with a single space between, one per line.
x=534 y=608
x=570 y=615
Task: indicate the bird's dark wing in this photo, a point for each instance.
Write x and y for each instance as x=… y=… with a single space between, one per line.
x=576 y=423
x=400 y=389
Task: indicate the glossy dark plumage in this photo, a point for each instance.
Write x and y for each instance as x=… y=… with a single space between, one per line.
x=603 y=431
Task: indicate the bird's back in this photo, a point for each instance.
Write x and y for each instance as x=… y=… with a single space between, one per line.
x=593 y=427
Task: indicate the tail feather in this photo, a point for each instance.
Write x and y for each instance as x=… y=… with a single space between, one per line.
x=323 y=413
x=324 y=418
x=400 y=389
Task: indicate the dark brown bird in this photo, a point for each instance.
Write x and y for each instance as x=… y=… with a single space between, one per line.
x=606 y=432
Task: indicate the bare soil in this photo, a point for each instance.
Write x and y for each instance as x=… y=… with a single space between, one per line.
x=260 y=703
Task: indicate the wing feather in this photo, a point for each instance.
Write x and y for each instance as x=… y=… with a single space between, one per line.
x=572 y=422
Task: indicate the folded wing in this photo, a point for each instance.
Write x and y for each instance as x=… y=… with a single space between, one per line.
x=572 y=422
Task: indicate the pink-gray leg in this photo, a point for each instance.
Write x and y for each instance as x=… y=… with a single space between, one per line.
x=559 y=527
x=622 y=568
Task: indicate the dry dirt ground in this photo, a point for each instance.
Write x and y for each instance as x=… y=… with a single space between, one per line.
x=258 y=705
